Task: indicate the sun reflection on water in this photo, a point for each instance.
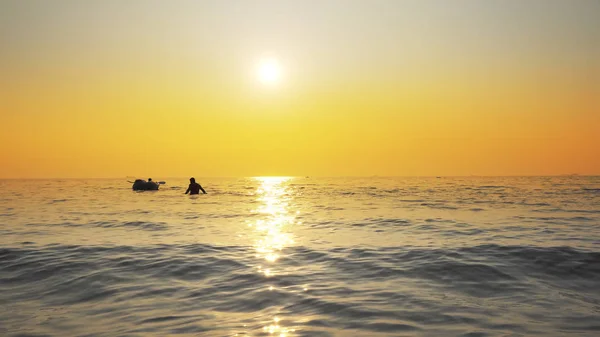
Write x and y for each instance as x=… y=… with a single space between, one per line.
x=275 y=328
x=272 y=234
x=274 y=197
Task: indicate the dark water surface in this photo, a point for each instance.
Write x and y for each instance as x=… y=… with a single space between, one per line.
x=302 y=257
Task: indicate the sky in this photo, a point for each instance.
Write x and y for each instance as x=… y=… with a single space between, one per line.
x=94 y=89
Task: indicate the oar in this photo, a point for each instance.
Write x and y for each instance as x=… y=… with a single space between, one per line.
x=160 y=182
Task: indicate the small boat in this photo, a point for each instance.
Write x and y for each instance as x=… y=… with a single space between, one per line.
x=142 y=185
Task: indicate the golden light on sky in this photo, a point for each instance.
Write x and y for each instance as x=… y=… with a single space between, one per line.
x=382 y=87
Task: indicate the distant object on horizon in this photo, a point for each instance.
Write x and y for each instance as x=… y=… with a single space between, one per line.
x=143 y=185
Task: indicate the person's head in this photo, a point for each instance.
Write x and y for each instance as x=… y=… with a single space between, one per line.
x=149 y=179
x=192 y=180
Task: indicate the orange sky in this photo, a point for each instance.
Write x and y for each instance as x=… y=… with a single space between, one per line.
x=106 y=89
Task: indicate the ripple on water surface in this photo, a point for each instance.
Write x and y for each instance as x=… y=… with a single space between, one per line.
x=303 y=257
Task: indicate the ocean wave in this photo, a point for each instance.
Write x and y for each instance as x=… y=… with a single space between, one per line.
x=438 y=206
x=360 y=257
x=215 y=278
x=563 y=210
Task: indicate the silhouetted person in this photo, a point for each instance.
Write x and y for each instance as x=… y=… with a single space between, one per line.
x=194 y=187
x=149 y=180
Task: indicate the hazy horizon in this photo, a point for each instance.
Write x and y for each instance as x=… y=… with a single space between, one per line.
x=299 y=88
x=159 y=178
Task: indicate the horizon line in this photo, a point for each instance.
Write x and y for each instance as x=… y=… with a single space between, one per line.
x=315 y=176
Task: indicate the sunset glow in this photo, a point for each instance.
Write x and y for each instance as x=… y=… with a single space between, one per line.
x=269 y=71
x=490 y=89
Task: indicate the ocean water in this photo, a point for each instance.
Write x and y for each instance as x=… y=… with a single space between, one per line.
x=471 y=256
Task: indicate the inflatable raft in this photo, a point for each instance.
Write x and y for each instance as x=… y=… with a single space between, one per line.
x=142 y=185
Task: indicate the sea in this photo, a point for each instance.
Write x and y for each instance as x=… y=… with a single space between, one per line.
x=301 y=256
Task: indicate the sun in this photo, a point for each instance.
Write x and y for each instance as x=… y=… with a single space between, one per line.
x=269 y=71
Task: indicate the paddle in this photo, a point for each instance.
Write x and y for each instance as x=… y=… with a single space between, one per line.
x=160 y=182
